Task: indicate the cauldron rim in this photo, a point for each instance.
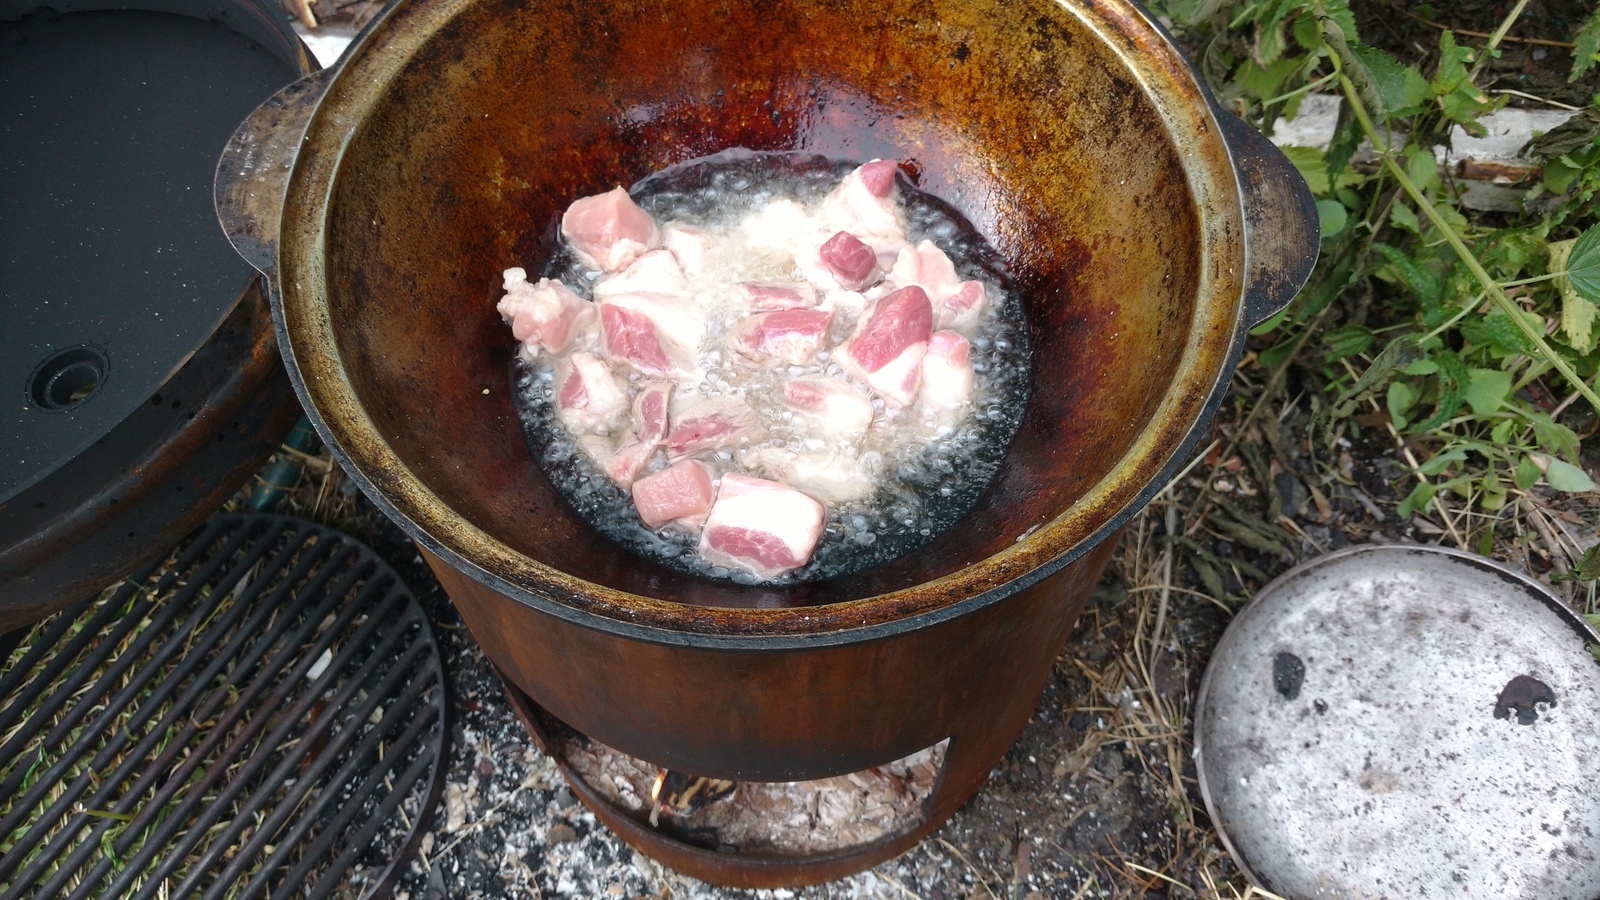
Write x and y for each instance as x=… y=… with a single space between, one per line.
x=1222 y=312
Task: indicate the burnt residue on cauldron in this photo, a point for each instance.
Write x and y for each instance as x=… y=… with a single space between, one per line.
x=1521 y=697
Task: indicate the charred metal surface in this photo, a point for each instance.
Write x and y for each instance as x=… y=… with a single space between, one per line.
x=254 y=168
x=1384 y=721
x=1074 y=136
x=785 y=716
x=137 y=491
x=1282 y=234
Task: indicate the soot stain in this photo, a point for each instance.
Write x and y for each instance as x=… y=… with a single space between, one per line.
x=1288 y=673
x=1521 y=696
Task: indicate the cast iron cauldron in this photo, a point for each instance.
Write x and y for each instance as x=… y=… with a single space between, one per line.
x=1147 y=229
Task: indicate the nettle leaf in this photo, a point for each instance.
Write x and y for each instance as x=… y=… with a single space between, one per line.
x=1331 y=217
x=1528 y=474
x=1348 y=341
x=1396 y=355
x=1552 y=435
x=1487 y=389
x=1559 y=174
x=1401 y=397
x=1419 y=500
x=1501 y=433
x=1453 y=60
x=1441 y=461
x=1497 y=332
x=1312 y=165
x=1401 y=216
x=1423 y=167
x=1567 y=477
x=1265 y=82
x=1453 y=380
x=1577 y=314
x=1401 y=89
x=1583 y=265
x=1423 y=282
x=1587 y=50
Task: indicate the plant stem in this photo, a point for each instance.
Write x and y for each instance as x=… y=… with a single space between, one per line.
x=1476 y=268
x=1495 y=39
x=1303 y=89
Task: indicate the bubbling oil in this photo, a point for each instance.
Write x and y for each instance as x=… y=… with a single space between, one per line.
x=926 y=474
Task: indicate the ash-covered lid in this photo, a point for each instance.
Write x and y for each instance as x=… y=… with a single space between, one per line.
x=113 y=267
x=1406 y=722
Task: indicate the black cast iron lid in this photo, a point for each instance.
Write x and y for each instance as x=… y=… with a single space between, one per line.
x=113 y=269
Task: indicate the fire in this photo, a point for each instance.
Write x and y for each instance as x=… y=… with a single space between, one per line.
x=655 y=789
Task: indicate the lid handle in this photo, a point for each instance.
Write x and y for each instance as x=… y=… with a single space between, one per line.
x=253 y=172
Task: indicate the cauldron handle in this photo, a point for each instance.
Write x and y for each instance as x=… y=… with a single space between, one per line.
x=1282 y=234
x=253 y=172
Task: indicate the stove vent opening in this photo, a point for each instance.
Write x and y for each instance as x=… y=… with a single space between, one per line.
x=67 y=378
x=798 y=818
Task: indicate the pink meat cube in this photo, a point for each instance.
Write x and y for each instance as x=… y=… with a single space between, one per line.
x=546 y=315
x=961 y=308
x=831 y=404
x=609 y=230
x=688 y=246
x=887 y=349
x=643 y=437
x=655 y=334
x=656 y=272
x=852 y=263
x=761 y=527
x=864 y=204
x=680 y=494
x=721 y=423
x=927 y=267
x=589 y=397
x=793 y=335
x=946 y=373
x=774 y=297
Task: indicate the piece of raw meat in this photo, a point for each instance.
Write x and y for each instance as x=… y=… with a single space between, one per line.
x=865 y=204
x=774 y=297
x=927 y=267
x=589 y=398
x=828 y=475
x=946 y=374
x=962 y=308
x=830 y=404
x=792 y=335
x=546 y=315
x=680 y=494
x=779 y=225
x=609 y=231
x=656 y=272
x=761 y=527
x=656 y=334
x=852 y=263
x=644 y=435
x=688 y=245
x=717 y=424
x=886 y=351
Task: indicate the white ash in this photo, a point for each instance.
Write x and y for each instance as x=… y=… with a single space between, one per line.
x=791 y=818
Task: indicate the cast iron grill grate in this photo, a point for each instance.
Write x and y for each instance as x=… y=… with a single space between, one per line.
x=261 y=714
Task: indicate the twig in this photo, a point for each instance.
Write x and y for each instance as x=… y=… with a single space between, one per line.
x=1478 y=34
x=1166 y=580
x=975 y=873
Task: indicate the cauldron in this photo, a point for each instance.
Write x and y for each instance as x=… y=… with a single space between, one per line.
x=1146 y=228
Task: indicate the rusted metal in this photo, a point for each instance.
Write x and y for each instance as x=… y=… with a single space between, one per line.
x=789 y=715
x=1404 y=720
x=1146 y=231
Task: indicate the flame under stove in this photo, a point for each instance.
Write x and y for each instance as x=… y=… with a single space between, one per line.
x=795 y=818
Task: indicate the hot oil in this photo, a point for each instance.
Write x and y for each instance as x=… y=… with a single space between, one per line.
x=927 y=474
